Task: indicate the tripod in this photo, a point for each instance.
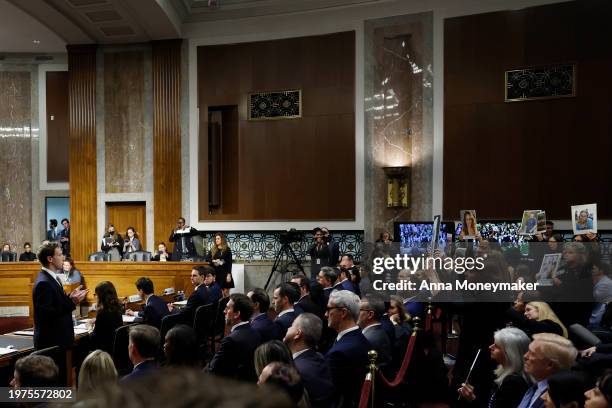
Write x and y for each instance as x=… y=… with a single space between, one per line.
x=284 y=256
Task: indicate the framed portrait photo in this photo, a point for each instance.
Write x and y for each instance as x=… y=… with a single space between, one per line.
x=584 y=219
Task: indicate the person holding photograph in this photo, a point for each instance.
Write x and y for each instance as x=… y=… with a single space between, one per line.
x=469 y=229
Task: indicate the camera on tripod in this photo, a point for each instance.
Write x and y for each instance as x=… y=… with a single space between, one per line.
x=288 y=237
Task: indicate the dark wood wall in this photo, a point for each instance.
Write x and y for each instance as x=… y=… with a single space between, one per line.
x=57 y=126
x=82 y=139
x=166 y=67
x=502 y=158
x=293 y=169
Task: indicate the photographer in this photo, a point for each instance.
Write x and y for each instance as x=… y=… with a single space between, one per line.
x=162 y=254
x=112 y=243
x=320 y=254
x=334 y=246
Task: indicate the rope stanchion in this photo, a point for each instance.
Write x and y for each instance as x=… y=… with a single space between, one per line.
x=368 y=385
x=402 y=371
x=428 y=317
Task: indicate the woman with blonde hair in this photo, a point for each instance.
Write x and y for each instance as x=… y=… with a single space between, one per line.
x=96 y=371
x=220 y=257
x=537 y=317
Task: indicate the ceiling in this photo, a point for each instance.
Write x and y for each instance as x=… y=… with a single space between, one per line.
x=47 y=26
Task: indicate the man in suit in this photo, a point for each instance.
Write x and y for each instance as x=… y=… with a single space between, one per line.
x=199 y=297
x=53 y=233
x=52 y=307
x=260 y=321
x=327 y=278
x=344 y=281
x=371 y=309
x=320 y=254
x=214 y=289
x=235 y=355
x=143 y=347
x=548 y=353
x=182 y=236
x=334 y=246
x=348 y=357
x=305 y=303
x=301 y=338
x=155 y=308
x=285 y=295
x=65 y=237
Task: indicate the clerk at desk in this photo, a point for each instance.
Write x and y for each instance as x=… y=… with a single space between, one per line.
x=155 y=308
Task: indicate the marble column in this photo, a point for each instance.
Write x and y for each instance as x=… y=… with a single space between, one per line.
x=398 y=116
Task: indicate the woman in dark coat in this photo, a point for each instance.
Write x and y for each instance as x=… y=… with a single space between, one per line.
x=220 y=257
x=108 y=317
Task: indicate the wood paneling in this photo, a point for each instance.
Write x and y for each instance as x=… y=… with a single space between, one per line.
x=125 y=215
x=502 y=158
x=166 y=65
x=57 y=126
x=296 y=169
x=82 y=138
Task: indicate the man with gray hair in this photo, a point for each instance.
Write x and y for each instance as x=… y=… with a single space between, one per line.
x=371 y=309
x=302 y=338
x=348 y=357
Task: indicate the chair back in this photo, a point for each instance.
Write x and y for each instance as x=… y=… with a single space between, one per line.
x=139 y=256
x=203 y=322
x=219 y=327
x=59 y=357
x=99 y=257
x=120 y=350
x=168 y=322
x=582 y=337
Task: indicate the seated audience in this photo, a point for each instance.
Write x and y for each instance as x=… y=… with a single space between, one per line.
x=143 y=347
x=600 y=396
x=162 y=254
x=35 y=371
x=536 y=317
x=565 y=389
x=547 y=354
x=181 y=347
x=155 y=308
x=508 y=348
x=260 y=321
x=235 y=355
x=199 y=297
x=285 y=377
x=96 y=371
x=327 y=278
x=371 y=309
x=272 y=351
x=304 y=303
x=108 y=317
x=112 y=243
x=6 y=255
x=285 y=295
x=131 y=243
x=348 y=357
x=302 y=338
x=344 y=281
x=71 y=273
x=27 y=255
x=215 y=293
x=602 y=292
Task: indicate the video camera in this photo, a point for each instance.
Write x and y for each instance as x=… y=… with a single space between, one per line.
x=287 y=237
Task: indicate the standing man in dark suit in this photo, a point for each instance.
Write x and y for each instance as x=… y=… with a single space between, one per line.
x=143 y=347
x=327 y=278
x=371 y=309
x=65 y=237
x=155 y=308
x=260 y=321
x=214 y=289
x=285 y=295
x=302 y=338
x=320 y=254
x=348 y=357
x=334 y=246
x=182 y=236
x=52 y=307
x=305 y=303
x=53 y=233
x=235 y=356
x=199 y=296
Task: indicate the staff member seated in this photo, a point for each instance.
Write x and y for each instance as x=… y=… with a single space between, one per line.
x=155 y=308
x=199 y=297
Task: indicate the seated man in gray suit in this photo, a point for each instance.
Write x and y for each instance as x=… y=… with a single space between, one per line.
x=371 y=309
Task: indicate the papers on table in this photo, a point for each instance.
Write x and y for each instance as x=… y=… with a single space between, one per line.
x=130 y=319
x=181 y=303
x=80 y=330
x=6 y=350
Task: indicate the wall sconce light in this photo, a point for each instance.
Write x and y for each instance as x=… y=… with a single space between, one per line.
x=398 y=186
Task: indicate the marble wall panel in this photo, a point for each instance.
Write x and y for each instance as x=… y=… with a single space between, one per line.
x=124 y=122
x=15 y=159
x=398 y=115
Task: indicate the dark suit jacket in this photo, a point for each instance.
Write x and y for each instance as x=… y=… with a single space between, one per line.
x=141 y=369
x=103 y=335
x=348 y=361
x=316 y=377
x=65 y=244
x=306 y=305
x=177 y=252
x=155 y=310
x=265 y=327
x=198 y=297
x=235 y=356
x=52 y=313
x=378 y=339
x=214 y=292
x=510 y=392
x=283 y=323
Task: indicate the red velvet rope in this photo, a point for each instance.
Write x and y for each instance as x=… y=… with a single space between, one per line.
x=428 y=319
x=365 y=393
x=404 y=367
